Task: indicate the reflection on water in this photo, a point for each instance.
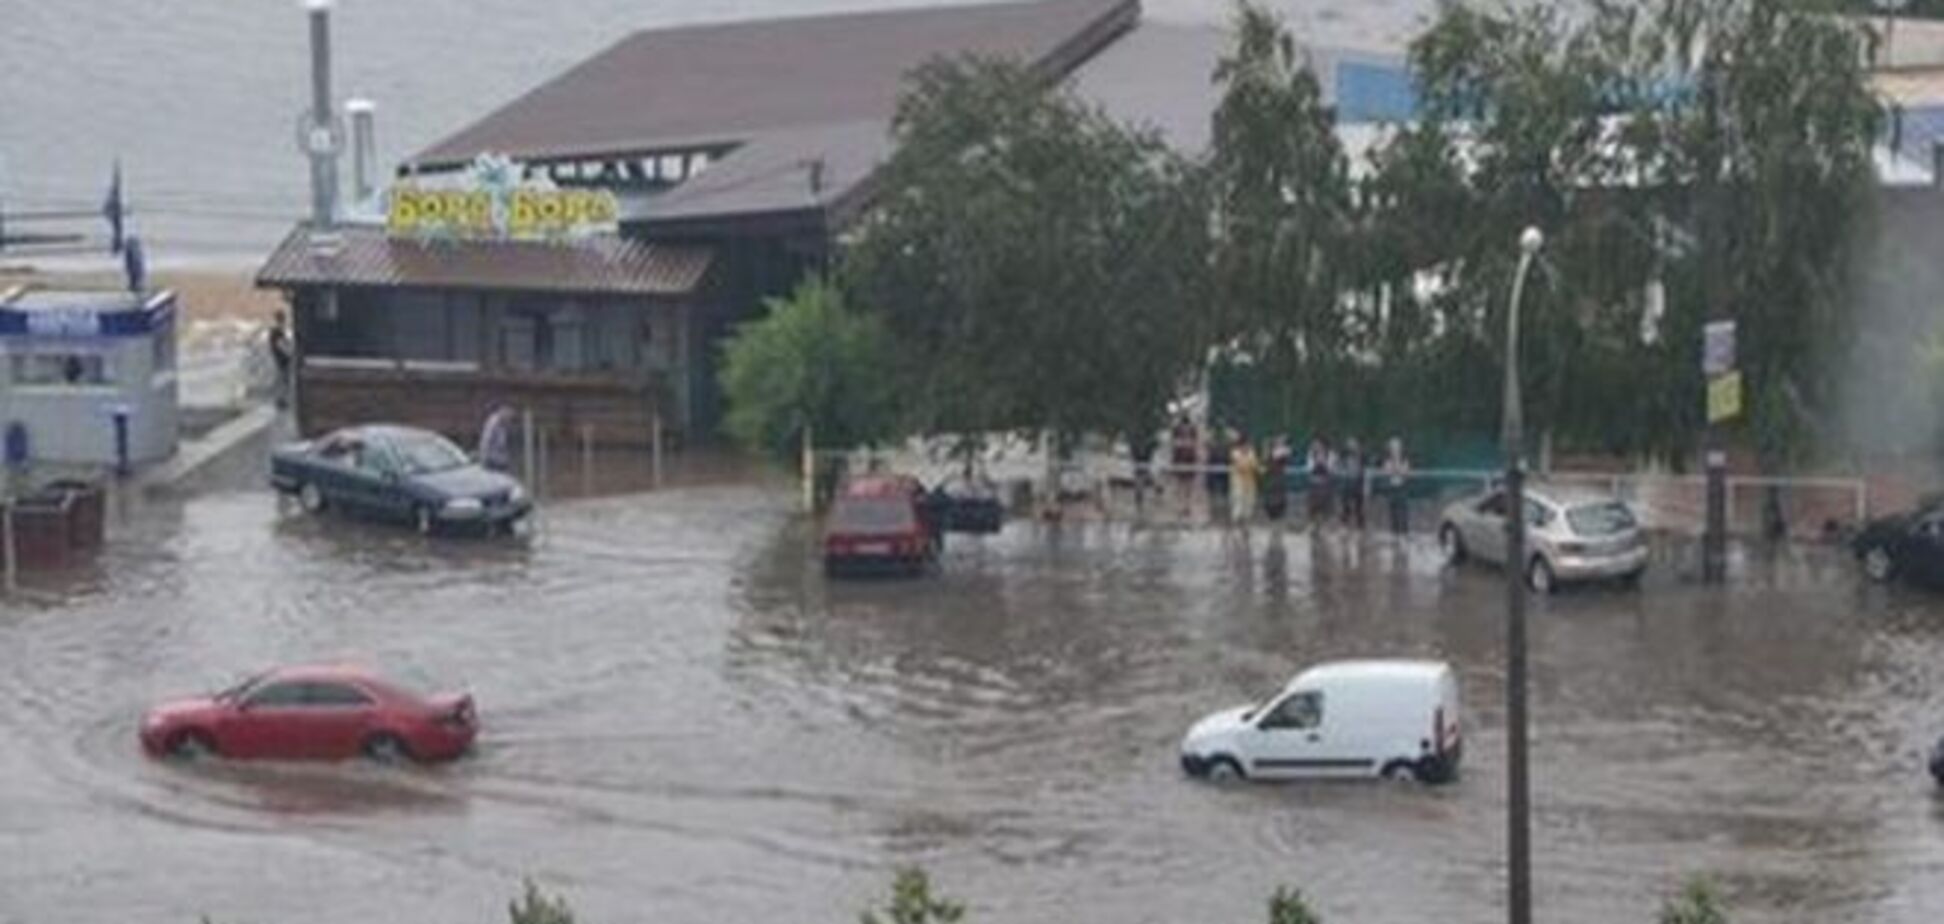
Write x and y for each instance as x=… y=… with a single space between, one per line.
x=681 y=712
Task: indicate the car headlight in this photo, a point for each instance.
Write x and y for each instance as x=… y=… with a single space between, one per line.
x=516 y=495
x=464 y=506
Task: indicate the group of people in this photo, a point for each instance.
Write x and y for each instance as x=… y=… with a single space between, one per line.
x=1242 y=480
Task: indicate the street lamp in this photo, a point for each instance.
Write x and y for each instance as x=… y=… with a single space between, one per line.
x=1518 y=809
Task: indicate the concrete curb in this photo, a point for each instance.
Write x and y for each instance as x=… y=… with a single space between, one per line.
x=199 y=455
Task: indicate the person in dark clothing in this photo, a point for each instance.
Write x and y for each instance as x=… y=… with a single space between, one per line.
x=1215 y=455
x=1350 y=479
x=280 y=355
x=1318 y=465
x=1397 y=473
x=1275 y=480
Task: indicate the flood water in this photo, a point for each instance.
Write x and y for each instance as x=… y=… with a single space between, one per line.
x=685 y=722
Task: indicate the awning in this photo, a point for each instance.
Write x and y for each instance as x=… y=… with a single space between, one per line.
x=601 y=265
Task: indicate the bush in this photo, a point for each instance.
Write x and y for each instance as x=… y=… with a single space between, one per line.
x=1696 y=904
x=912 y=902
x=1287 y=907
x=536 y=908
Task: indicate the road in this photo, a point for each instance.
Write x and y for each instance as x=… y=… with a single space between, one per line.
x=685 y=723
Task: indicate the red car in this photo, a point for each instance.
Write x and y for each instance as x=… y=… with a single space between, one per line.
x=881 y=524
x=313 y=713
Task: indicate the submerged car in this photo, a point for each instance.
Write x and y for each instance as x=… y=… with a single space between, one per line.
x=1572 y=534
x=1392 y=719
x=972 y=505
x=882 y=525
x=313 y=713
x=1907 y=545
x=399 y=474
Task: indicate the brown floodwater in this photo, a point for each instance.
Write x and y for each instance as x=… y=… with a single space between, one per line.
x=685 y=722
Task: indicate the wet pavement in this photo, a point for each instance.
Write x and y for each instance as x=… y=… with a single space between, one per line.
x=684 y=722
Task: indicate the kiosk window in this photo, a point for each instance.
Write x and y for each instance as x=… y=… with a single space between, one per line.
x=61 y=369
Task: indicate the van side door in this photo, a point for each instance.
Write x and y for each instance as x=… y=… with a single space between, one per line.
x=1288 y=738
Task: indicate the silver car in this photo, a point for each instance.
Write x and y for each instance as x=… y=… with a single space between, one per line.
x=1572 y=534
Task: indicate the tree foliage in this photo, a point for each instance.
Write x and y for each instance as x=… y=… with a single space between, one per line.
x=1697 y=904
x=811 y=361
x=536 y=907
x=912 y=902
x=1039 y=264
x=1287 y=907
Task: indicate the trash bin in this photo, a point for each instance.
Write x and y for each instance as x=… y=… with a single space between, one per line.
x=42 y=524
x=87 y=521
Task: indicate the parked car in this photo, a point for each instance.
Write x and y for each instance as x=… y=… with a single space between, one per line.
x=1391 y=719
x=401 y=474
x=973 y=506
x=313 y=713
x=1572 y=534
x=1908 y=545
x=882 y=524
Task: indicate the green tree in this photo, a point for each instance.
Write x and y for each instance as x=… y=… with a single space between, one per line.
x=912 y=902
x=1697 y=904
x=1039 y=264
x=812 y=362
x=535 y=907
x=1283 y=218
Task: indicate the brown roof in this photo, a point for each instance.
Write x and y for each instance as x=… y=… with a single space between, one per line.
x=701 y=85
x=606 y=264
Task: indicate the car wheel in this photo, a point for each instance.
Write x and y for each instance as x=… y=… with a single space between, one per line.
x=1224 y=770
x=1401 y=771
x=310 y=498
x=191 y=746
x=1539 y=576
x=386 y=748
x=422 y=519
x=1452 y=544
x=1878 y=564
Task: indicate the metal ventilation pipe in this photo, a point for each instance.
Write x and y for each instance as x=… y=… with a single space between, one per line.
x=364 y=146
x=321 y=136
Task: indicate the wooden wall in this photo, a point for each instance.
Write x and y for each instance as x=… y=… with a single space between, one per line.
x=455 y=403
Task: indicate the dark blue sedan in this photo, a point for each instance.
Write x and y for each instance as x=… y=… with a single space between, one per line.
x=401 y=474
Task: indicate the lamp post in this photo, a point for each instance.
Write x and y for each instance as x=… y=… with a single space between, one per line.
x=1518 y=809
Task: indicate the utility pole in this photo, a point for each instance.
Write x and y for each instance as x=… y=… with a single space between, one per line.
x=1714 y=537
x=1518 y=808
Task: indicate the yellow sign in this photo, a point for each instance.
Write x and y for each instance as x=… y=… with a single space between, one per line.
x=493 y=200
x=1724 y=397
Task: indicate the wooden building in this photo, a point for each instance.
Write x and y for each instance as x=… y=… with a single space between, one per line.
x=734 y=154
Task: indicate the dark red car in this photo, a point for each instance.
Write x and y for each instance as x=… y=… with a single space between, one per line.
x=313 y=713
x=881 y=524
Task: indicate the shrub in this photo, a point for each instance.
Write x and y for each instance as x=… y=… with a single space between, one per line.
x=1287 y=907
x=537 y=908
x=912 y=902
x=1696 y=904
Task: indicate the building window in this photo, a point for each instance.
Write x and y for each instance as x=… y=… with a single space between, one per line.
x=76 y=369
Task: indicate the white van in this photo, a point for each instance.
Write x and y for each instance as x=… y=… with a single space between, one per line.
x=1395 y=719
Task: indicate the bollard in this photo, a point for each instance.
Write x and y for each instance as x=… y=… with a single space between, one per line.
x=655 y=447
x=11 y=564
x=526 y=447
x=121 y=441
x=587 y=458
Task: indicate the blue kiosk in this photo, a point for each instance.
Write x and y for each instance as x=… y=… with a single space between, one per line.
x=87 y=377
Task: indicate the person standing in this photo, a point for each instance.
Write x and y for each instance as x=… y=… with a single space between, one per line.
x=496 y=439
x=1397 y=473
x=1318 y=466
x=1275 y=480
x=1215 y=456
x=1245 y=466
x=280 y=357
x=1181 y=452
x=1350 y=475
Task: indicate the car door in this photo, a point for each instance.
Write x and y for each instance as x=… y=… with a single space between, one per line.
x=336 y=469
x=1485 y=528
x=1287 y=741
x=337 y=717
x=380 y=481
x=265 y=723
x=1920 y=552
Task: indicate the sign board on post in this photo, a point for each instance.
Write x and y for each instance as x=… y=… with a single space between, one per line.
x=1717 y=348
x=1724 y=397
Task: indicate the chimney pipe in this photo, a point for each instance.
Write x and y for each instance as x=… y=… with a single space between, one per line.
x=364 y=147
x=322 y=137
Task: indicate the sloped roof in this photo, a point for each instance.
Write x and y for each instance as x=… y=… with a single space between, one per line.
x=601 y=265
x=709 y=84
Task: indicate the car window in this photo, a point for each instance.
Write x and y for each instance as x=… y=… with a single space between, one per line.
x=873 y=514
x=375 y=458
x=335 y=694
x=276 y=696
x=1493 y=506
x=1601 y=519
x=423 y=453
x=1537 y=513
x=1298 y=710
